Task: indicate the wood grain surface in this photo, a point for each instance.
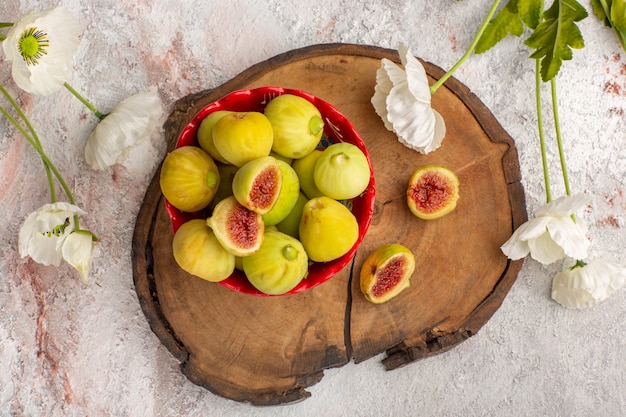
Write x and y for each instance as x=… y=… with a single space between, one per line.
x=268 y=350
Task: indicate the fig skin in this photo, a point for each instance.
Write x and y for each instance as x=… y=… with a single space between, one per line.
x=189 y=178
x=239 y=230
x=205 y=134
x=257 y=184
x=288 y=196
x=297 y=125
x=198 y=252
x=433 y=192
x=225 y=189
x=327 y=230
x=386 y=272
x=241 y=137
x=342 y=171
x=290 y=224
x=305 y=168
x=278 y=266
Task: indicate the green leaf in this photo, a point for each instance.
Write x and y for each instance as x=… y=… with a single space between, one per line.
x=618 y=15
x=530 y=11
x=505 y=22
x=556 y=35
x=599 y=10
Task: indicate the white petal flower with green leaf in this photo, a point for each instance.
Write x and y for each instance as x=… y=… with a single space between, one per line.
x=552 y=234
x=41 y=47
x=44 y=230
x=586 y=284
x=402 y=100
x=130 y=122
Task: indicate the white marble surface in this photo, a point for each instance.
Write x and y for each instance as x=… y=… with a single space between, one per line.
x=67 y=349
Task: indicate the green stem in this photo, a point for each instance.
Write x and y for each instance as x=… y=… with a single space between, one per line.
x=83 y=100
x=469 y=51
x=542 y=142
x=559 y=140
x=37 y=145
x=619 y=34
x=22 y=116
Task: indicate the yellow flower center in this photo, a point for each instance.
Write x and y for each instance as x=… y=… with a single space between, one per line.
x=33 y=44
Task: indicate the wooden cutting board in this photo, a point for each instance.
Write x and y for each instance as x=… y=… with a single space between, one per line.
x=268 y=350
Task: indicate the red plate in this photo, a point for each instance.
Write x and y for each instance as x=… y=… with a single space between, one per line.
x=337 y=128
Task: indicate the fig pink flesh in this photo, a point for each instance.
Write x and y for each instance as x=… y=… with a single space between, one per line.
x=264 y=189
x=431 y=192
x=388 y=276
x=243 y=227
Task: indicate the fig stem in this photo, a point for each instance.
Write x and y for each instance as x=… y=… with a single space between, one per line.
x=340 y=159
x=290 y=253
x=316 y=124
x=211 y=179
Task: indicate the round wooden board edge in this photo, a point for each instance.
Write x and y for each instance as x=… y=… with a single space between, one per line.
x=398 y=356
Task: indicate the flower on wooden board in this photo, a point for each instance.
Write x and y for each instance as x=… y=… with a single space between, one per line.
x=41 y=47
x=402 y=100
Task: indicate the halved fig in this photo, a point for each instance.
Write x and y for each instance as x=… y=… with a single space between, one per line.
x=289 y=192
x=433 y=192
x=386 y=272
x=238 y=229
x=257 y=184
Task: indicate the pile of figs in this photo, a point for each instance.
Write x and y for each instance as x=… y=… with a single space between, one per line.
x=275 y=202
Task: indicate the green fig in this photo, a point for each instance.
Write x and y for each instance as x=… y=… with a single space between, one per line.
x=278 y=266
x=297 y=125
x=342 y=171
x=198 y=252
x=290 y=225
x=205 y=134
x=328 y=230
x=305 y=167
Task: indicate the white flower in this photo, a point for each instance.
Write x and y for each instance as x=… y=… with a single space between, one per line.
x=402 y=100
x=552 y=234
x=77 y=250
x=584 y=286
x=129 y=123
x=44 y=230
x=41 y=47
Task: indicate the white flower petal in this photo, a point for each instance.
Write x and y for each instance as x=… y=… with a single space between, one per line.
x=415 y=75
x=515 y=248
x=543 y=249
x=563 y=206
x=128 y=124
x=35 y=238
x=381 y=90
x=585 y=286
x=52 y=69
x=569 y=236
x=77 y=250
x=402 y=100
